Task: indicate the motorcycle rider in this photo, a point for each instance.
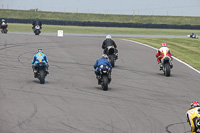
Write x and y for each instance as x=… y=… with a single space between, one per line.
x=192 y=35
x=161 y=53
x=37 y=22
x=109 y=42
x=3 y=22
x=102 y=61
x=39 y=55
x=193 y=115
x=198 y=124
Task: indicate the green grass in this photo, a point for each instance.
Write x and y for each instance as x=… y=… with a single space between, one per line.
x=27 y=14
x=101 y=30
x=187 y=49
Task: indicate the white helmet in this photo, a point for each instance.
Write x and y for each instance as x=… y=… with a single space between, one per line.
x=108 y=37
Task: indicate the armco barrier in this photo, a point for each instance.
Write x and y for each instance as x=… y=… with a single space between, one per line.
x=103 y=24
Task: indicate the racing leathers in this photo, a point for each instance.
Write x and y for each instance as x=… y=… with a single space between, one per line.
x=37 y=58
x=162 y=52
x=192 y=115
x=37 y=22
x=109 y=42
x=193 y=35
x=99 y=62
x=4 y=25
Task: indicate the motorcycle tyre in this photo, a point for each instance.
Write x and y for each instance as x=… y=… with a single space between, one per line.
x=42 y=77
x=112 y=60
x=105 y=83
x=37 y=32
x=167 y=70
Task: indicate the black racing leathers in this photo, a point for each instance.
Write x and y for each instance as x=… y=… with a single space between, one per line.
x=37 y=22
x=108 y=42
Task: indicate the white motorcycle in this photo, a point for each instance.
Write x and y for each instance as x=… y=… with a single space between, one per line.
x=192 y=36
x=37 y=30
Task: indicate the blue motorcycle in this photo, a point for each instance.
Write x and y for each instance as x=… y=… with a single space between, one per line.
x=104 y=77
x=42 y=72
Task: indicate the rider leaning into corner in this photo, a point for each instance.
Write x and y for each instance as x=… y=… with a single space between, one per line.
x=37 y=22
x=102 y=61
x=39 y=55
x=163 y=51
x=193 y=115
x=109 y=42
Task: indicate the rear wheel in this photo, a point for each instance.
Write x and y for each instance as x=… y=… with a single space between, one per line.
x=5 y=31
x=167 y=69
x=37 y=32
x=105 y=83
x=42 y=77
x=112 y=60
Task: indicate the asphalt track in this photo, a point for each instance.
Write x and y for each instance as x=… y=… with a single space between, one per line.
x=140 y=98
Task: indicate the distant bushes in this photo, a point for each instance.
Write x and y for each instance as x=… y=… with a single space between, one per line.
x=104 y=24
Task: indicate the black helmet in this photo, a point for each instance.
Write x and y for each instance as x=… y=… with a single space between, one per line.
x=39 y=50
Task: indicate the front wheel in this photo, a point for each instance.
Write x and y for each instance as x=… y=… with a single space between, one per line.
x=42 y=77
x=105 y=83
x=112 y=60
x=167 y=70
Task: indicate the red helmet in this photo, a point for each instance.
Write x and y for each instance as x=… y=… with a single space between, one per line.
x=163 y=45
x=194 y=104
x=104 y=55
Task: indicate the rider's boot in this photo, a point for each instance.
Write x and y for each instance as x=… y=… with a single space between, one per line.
x=171 y=64
x=116 y=56
x=109 y=78
x=97 y=75
x=35 y=76
x=47 y=70
x=161 y=66
x=99 y=81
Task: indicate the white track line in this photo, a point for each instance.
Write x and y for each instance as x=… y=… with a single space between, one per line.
x=172 y=56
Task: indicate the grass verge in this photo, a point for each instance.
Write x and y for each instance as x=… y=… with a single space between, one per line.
x=31 y=14
x=186 y=49
x=14 y=27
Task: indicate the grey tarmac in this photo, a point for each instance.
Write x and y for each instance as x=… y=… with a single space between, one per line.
x=140 y=98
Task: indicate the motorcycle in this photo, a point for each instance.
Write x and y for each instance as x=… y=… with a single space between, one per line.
x=41 y=73
x=4 y=28
x=111 y=52
x=166 y=64
x=104 y=77
x=193 y=36
x=37 y=30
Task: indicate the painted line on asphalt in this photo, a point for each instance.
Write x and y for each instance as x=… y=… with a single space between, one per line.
x=172 y=56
